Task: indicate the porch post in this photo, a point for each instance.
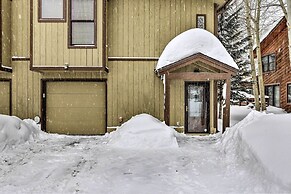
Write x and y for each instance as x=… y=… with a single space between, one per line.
x=212 y=128
x=167 y=100
x=226 y=111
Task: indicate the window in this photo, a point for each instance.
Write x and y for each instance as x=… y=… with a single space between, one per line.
x=269 y=63
x=201 y=21
x=289 y=93
x=274 y=95
x=82 y=23
x=52 y=10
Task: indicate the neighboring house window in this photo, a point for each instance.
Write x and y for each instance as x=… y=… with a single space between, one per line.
x=274 y=95
x=289 y=93
x=269 y=63
x=82 y=23
x=201 y=21
x=52 y=10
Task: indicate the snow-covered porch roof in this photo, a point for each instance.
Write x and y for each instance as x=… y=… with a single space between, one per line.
x=196 y=56
x=195 y=44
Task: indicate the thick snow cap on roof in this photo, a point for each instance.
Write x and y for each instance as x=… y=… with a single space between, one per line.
x=191 y=42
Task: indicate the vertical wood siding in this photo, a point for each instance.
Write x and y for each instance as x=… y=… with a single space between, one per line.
x=142 y=28
x=26 y=87
x=5 y=97
x=136 y=28
x=5 y=75
x=277 y=43
x=177 y=102
x=50 y=43
x=20 y=28
x=25 y=91
x=133 y=88
x=26 y=84
x=6 y=32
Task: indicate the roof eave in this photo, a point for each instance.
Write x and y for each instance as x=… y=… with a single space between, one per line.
x=194 y=58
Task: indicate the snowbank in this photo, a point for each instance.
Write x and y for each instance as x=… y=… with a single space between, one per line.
x=143 y=132
x=192 y=42
x=238 y=113
x=15 y=131
x=266 y=137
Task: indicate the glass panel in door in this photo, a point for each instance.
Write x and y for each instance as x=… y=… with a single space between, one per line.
x=277 y=96
x=197 y=108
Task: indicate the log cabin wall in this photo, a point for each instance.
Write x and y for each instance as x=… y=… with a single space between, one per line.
x=277 y=43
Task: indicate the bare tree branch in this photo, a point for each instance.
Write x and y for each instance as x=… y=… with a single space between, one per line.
x=283 y=8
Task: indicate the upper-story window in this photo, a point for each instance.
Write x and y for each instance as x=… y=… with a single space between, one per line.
x=51 y=10
x=82 y=23
x=201 y=21
x=289 y=93
x=269 y=63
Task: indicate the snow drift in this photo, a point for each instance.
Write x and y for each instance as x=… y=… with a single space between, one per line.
x=265 y=137
x=15 y=131
x=143 y=132
x=191 y=42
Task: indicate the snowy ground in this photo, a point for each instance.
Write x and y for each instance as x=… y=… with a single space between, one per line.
x=73 y=164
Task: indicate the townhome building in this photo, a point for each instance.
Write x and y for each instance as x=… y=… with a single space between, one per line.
x=87 y=66
x=276 y=65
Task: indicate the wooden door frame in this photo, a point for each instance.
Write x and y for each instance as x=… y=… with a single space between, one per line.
x=10 y=93
x=43 y=97
x=187 y=83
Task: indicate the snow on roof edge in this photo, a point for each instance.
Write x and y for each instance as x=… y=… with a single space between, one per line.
x=266 y=34
x=199 y=53
x=274 y=26
x=191 y=42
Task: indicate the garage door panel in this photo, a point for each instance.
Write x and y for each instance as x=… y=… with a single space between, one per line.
x=78 y=100
x=84 y=127
x=76 y=113
x=5 y=97
x=70 y=87
x=73 y=129
x=76 y=108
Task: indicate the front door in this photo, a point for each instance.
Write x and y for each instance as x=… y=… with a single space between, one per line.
x=197 y=107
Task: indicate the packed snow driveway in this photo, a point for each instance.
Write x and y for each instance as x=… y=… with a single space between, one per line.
x=74 y=164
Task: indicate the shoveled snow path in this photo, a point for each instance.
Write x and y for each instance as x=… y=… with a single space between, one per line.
x=66 y=164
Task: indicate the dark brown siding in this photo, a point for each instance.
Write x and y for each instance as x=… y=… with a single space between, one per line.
x=277 y=43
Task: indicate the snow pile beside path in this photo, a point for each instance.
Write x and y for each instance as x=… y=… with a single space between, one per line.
x=143 y=132
x=15 y=131
x=238 y=113
x=266 y=137
x=191 y=42
x=275 y=110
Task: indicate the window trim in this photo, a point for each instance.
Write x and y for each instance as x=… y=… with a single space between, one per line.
x=205 y=19
x=268 y=55
x=52 y=20
x=289 y=83
x=70 y=45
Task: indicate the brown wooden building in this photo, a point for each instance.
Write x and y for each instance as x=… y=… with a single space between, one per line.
x=276 y=66
x=85 y=66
